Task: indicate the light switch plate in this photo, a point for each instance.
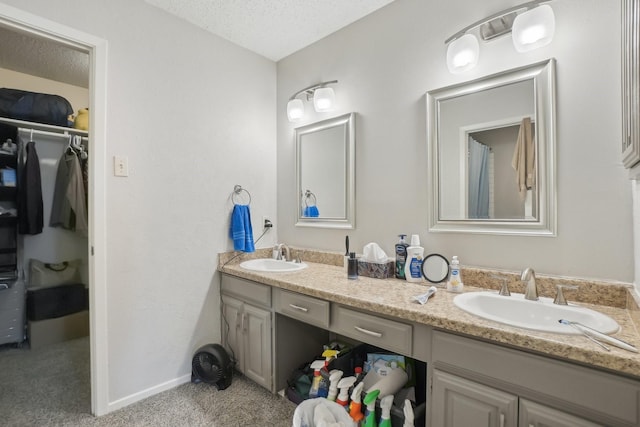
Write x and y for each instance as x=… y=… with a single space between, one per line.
x=120 y=166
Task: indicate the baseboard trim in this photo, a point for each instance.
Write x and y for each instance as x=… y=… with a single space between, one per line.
x=151 y=391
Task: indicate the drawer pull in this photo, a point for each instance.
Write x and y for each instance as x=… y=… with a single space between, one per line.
x=297 y=307
x=368 y=332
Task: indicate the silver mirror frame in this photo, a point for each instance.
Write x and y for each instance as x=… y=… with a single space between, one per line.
x=543 y=75
x=348 y=222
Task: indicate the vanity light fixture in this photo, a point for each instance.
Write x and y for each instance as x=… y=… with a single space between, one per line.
x=531 y=25
x=323 y=100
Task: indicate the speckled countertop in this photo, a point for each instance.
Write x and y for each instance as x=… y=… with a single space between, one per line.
x=325 y=278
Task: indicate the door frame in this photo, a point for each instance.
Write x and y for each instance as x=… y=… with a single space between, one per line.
x=97 y=49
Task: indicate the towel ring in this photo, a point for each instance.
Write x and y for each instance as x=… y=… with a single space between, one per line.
x=308 y=195
x=237 y=190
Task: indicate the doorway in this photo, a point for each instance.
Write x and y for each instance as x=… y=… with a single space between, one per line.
x=41 y=28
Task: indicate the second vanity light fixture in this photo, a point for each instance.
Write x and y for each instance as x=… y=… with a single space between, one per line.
x=531 y=24
x=323 y=100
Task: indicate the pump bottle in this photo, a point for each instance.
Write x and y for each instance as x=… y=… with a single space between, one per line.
x=413 y=266
x=454 y=284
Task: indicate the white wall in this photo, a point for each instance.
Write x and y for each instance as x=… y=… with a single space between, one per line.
x=386 y=62
x=195 y=114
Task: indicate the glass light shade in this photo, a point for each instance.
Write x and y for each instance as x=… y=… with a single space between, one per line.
x=462 y=54
x=323 y=99
x=295 y=109
x=533 y=28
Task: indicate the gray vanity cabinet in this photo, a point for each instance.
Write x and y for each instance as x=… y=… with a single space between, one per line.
x=246 y=328
x=458 y=402
x=479 y=384
x=533 y=414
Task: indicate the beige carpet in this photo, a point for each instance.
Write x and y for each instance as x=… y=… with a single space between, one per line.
x=50 y=387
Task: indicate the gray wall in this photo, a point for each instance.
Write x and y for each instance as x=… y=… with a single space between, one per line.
x=386 y=62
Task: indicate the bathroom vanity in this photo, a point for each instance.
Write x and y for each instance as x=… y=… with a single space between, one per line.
x=479 y=372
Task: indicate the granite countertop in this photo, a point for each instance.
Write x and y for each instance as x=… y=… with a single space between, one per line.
x=393 y=297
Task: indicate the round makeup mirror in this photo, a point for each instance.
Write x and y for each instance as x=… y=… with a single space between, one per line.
x=435 y=268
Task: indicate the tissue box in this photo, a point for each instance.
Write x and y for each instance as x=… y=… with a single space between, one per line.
x=376 y=270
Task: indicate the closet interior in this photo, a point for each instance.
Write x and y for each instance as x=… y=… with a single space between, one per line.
x=44 y=189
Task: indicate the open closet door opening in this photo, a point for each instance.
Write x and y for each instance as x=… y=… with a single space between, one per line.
x=95 y=247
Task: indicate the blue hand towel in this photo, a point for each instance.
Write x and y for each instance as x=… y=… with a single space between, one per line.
x=311 y=212
x=240 y=230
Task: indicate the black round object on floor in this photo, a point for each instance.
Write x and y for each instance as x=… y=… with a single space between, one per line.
x=211 y=364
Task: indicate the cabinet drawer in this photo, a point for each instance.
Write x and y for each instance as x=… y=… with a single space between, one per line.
x=302 y=307
x=385 y=333
x=247 y=290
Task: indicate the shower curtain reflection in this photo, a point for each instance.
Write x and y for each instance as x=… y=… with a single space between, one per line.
x=478 y=180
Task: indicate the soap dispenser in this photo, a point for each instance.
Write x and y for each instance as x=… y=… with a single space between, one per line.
x=454 y=284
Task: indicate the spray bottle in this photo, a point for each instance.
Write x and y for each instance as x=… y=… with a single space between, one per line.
x=334 y=380
x=318 y=382
x=355 y=407
x=409 y=417
x=385 y=406
x=413 y=266
x=344 y=385
x=370 y=413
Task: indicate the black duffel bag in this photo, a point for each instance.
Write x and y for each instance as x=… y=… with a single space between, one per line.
x=35 y=107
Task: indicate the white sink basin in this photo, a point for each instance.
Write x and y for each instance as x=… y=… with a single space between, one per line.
x=541 y=315
x=270 y=265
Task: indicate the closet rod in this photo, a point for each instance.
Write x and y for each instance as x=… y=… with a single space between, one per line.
x=46 y=133
x=41 y=127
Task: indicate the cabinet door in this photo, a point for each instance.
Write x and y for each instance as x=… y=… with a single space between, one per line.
x=232 y=329
x=458 y=402
x=257 y=345
x=536 y=415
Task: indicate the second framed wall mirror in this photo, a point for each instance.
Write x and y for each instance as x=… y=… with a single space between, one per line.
x=491 y=148
x=325 y=173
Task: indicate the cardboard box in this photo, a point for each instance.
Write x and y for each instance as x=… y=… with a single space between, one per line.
x=376 y=270
x=49 y=331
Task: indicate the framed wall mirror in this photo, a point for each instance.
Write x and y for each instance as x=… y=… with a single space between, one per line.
x=325 y=175
x=491 y=154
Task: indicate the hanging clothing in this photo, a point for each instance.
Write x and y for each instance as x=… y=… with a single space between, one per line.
x=69 y=206
x=524 y=159
x=30 y=209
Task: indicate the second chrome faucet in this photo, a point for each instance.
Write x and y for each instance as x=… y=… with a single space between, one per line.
x=529 y=277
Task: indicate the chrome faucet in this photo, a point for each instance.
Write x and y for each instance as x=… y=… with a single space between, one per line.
x=531 y=291
x=279 y=248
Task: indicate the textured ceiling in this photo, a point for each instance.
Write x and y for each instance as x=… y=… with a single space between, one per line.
x=271 y=28
x=46 y=59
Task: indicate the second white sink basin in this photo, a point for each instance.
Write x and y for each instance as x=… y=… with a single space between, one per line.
x=270 y=265
x=541 y=315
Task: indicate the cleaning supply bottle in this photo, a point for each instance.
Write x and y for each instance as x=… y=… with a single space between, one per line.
x=409 y=416
x=334 y=380
x=370 y=413
x=355 y=407
x=318 y=383
x=454 y=284
x=385 y=407
x=344 y=385
x=413 y=266
x=401 y=256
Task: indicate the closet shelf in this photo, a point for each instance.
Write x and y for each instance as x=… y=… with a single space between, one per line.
x=23 y=124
